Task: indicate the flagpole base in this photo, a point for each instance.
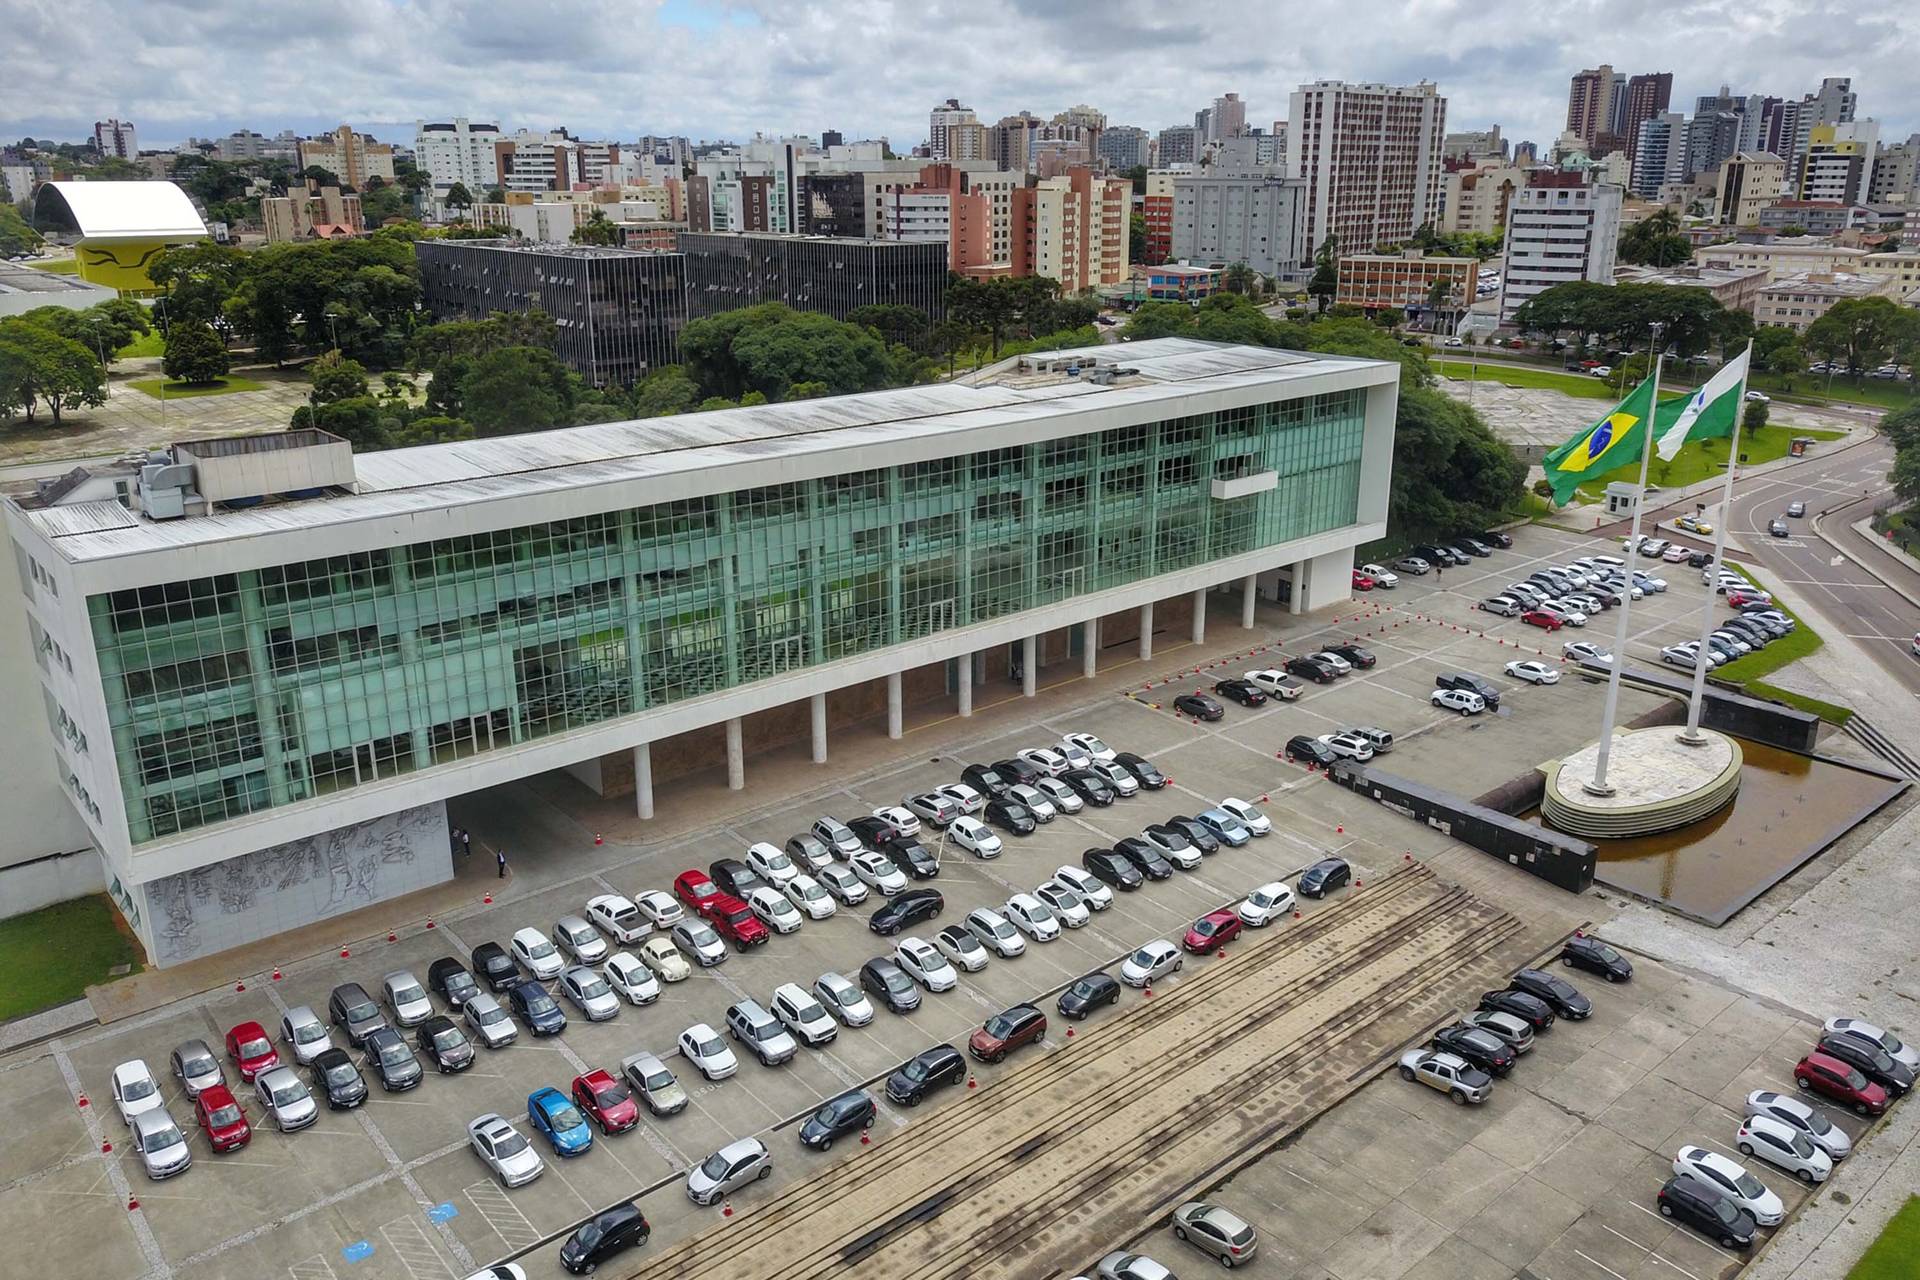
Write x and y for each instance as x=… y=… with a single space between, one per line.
x=1693 y=738
x=1655 y=782
x=1600 y=789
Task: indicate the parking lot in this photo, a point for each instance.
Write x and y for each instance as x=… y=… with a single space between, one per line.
x=391 y=1190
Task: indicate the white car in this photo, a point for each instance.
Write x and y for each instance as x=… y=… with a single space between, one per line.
x=806 y=893
x=1885 y=1041
x=1155 y=960
x=1570 y=615
x=1254 y=820
x=1341 y=667
x=1036 y=801
x=843 y=884
x=660 y=907
x=774 y=910
x=1032 y=917
x=1094 y=748
x=1096 y=893
x=1584 y=651
x=618 y=918
x=803 y=1015
x=961 y=948
x=537 y=954
x=505 y=1150
x=1350 y=745
x=302 y=1031
x=699 y=942
x=630 y=979
x=975 y=837
x=580 y=940
x=1121 y=1265
x=1065 y=798
x=1533 y=672
x=406 y=997
x=934 y=808
x=732 y=1166
x=1381 y=575
x=771 y=862
x=1784 y=1147
x=924 y=964
x=134 y=1090
x=1123 y=782
x=1270 y=902
x=995 y=934
x=1677 y=554
x=590 y=993
x=1465 y=701
x=664 y=960
x=901 y=818
x=969 y=800
x=1048 y=761
x=1074 y=756
x=1275 y=684
x=1687 y=656
x=1731 y=1179
x=877 y=869
x=843 y=999
x=1068 y=905
x=701 y=1045
x=1812 y=1121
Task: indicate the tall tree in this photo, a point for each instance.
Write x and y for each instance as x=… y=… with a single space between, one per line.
x=38 y=366
x=458 y=197
x=1861 y=331
x=1137 y=239
x=597 y=230
x=194 y=354
x=1325 y=281
x=1655 y=241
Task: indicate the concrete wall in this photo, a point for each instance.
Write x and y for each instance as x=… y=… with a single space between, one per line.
x=29 y=886
x=39 y=818
x=1773 y=723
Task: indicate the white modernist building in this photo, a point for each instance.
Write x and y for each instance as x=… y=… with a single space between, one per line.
x=1561 y=227
x=457 y=150
x=266 y=662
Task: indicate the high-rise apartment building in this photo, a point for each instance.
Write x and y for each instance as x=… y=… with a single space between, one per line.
x=1473 y=147
x=1123 y=146
x=1647 y=96
x=1227 y=118
x=1896 y=173
x=1748 y=183
x=1156 y=208
x=1226 y=218
x=1660 y=155
x=1179 y=144
x=1010 y=142
x=1073 y=228
x=1477 y=200
x=456 y=150
x=351 y=157
x=1590 y=103
x=1834 y=103
x=115 y=138
x=310 y=211
x=1837 y=162
x=1712 y=136
x=1562 y=227
x=951 y=127
x=1370 y=157
x=969 y=211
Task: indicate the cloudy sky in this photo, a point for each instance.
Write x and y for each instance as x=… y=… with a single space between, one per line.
x=725 y=68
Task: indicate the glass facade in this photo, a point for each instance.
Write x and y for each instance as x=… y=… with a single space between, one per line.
x=236 y=693
x=726 y=271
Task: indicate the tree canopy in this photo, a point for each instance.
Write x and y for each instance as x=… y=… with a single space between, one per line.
x=40 y=368
x=194 y=353
x=1623 y=314
x=1864 y=332
x=1655 y=241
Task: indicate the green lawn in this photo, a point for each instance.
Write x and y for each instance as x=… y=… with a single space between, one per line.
x=182 y=391
x=52 y=955
x=1793 y=646
x=1703 y=459
x=58 y=266
x=1804 y=388
x=152 y=343
x=1534 y=379
x=1831 y=712
x=1895 y=1254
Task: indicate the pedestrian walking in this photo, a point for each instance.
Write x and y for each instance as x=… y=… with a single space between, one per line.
x=1439 y=570
x=466 y=842
x=453 y=836
x=501 y=854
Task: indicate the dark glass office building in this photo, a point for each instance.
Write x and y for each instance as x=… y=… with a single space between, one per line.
x=726 y=271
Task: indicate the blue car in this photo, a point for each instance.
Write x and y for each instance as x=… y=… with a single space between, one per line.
x=540 y=1011
x=1226 y=828
x=552 y=1113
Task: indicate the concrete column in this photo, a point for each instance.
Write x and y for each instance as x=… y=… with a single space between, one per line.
x=1090 y=648
x=819 y=701
x=1249 y=592
x=736 y=757
x=896 y=712
x=1146 y=633
x=1297 y=598
x=643 y=780
x=966 y=684
x=1030 y=665
x=1200 y=615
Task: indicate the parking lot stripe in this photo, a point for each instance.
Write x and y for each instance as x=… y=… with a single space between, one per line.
x=410 y=1243
x=1676 y=1266
x=315 y=1268
x=497 y=1209
x=90 y=1115
x=1603 y=1266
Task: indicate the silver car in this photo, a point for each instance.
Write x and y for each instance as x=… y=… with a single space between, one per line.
x=580 y=940
x=505 y=1150
x=701 y=944
x=1121 y=1265
x=163 y=1148
x=843 y=999
x=405 y=996
x=1215 y=1231
x=734 y=1165
x=304 y=1034
x=590 y=993
x=286 y=1098
x=655 y=1084
x=195 y=1067
x=489 y=1022
x=761 y=1033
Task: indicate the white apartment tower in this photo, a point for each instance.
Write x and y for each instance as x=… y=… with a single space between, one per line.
x=1370 y=156
x=945 y=126
x=456 y=150
x=1560 y=227
x=115 y=138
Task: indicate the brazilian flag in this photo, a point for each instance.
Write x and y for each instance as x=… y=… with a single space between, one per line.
x=1613 y=442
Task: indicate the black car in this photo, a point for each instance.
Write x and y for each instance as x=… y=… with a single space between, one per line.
x=605 y=1234
x=1196 y=831
x=1311 y=750
x=450 y=978
x=1778 y=527
x=1105 y=864
x=1596 y=956
x=1530 y=1009
x=1010 y=815
x=1445 y=556
x=388 y=1057
x=1699 y=559
x=912 y=857
x=1142 y=769
x=1324 y=876
x=1556 y=991
x=909 y=908
x=1244 y=692
x=542 y=1014
x=1312 y=669
x=336 y=1079
x=886 y=982
x=1353 y=653
x=1090 y=786
x=1087 y=994
x=1707 y=1211
x=985 y=779
x=926 y=1071
x=1494 y=538
x=1471 y=546
x=837 y=1117
x=1471 y=683
x=1014 y=769
x=875 y=833
x=1199 y=706
x=446 y=1044
x=495 y=967
x=1482 y=1048
x=735 y=877
x=1147 y=860
x=1870 y=1061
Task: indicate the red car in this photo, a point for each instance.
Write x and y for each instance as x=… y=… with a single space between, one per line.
x=1542 y=619
x=1006 y=1031
x=734 y=920
x=249 y=1045
x=696 y=889
x=1737 y=598
x=1841 y=1082
x=606 y=1100
x=1362 y=582
x=1212 y=931
x=224 y=1123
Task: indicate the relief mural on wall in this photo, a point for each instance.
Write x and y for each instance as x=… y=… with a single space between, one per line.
x=212 y=908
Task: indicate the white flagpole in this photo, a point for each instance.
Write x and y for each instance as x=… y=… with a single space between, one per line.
x=1598 y=785
x=1692 y=735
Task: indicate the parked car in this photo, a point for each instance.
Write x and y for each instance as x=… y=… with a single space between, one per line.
x=1824 y=1074
x=974 y=836
x=285 y=1098
x=338 y=1080
x=843 y=999
x=1310 y=750
x=1533 y=672
x=1275 y=683
x=163 y=1148
x=803 y=1016
x=1797 y=1115
x=1012 y=816
x=1032 y=917
x=536 y=954
x=1265 y=904
x=883 y=980
x=533 y=1006
x=1244 y=692
x=134 y=1090
x=604 y=1236
x=1156 y=959
x=1731 y=1179
x=579 y=940
x=771 y=908
x=1083 y=995
x=590 y=993
x=494 y=966
x=809 y=852
x=222 y=1119
x=649 y=1077
x=1530 y=1009
x=504 y=1150
x=1477 y=1045
x=306 y=1036
x=488 y=1021
x=906 y=910
x=1447 y=1072
x=618 y=917
x=734 y=877
x=1562 y=996
x=1199 y=706
x=1093 y=788
x=772 y=865
x=961 y=948
x=1583 y=951
x=1418 y=566
x=996 y=934
x=387 y=1055
x=838 y=1117
x=350 y=1008
x=878 y=871
x=1870 y=1060
x=664 y=957
x=1885 y=1041
x=1010 y=1029
x=1784 y=1147
x=837 y=836
x=1068 y=907
x=1348 y=746
x=844 y=884
x=1489 y=693
x=252 y=1049
x=1516 y=1032
x=450 y=978
x=445 y=1045
x=1324 y=876
x=763 y=1035
x=552 y=1115
x=919 y=960
x=928 y=1070
x=1705 y=1209
x=1212 y=931
x=702 y=1046
x=1382 y=576
x=1146 y=859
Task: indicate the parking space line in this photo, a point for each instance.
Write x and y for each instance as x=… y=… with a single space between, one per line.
x=1297 y=1177
x=1603 y=1266
x=411 y=1244
x=157 y=1265
x=497 y=1209
x=315 y=1268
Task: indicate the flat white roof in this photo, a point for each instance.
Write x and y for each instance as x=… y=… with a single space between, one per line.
x=127 y=210
x=401 y=483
